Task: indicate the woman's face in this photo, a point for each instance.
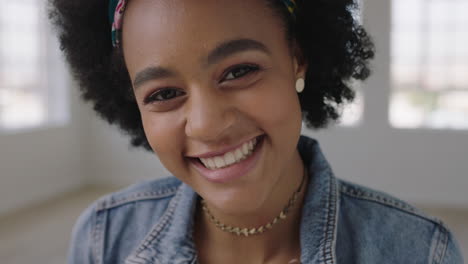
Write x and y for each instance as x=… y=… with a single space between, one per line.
x=211 y=79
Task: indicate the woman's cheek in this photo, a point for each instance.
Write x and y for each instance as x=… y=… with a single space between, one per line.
x=164 y=135
x=161 y=131
x=276 y=104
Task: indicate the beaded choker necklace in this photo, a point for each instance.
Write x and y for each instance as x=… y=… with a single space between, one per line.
x=256 y=230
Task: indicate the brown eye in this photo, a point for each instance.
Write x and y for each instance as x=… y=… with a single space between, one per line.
x=163 y=95
x=239 y=72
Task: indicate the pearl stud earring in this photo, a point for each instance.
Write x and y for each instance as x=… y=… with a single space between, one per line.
x=300 y=84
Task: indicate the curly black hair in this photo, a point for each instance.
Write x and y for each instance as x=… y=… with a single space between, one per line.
x=335 y=46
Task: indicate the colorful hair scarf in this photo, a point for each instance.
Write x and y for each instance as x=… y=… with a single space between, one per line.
x=291 y=6
x=117 y=9
x=116 y=12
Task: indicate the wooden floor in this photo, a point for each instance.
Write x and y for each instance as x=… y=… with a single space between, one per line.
x=40 y=234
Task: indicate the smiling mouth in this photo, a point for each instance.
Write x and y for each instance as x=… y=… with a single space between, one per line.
x=232 y=157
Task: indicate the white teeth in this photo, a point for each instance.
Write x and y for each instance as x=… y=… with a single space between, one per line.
x=245 y=149
x=219 y=161
x=230 y=157
x=239 y=154
x=211 y=163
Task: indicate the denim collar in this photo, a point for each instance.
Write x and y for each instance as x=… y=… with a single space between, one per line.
x=320 y=211
x=171 y=241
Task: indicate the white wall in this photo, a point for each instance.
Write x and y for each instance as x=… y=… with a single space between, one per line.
x=113 y=161
x=418 y=166
x=40 y=164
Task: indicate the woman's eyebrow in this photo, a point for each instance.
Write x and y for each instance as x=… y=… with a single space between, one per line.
x=222 y=51
x=231 y=47
x=151 y=73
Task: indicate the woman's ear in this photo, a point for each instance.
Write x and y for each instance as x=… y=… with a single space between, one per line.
x=300 y=63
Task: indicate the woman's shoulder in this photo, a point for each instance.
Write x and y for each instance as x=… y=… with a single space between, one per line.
x=379 y=224
x=362 y=196
x=122 y=219
x=147 y=196
x=155 y=189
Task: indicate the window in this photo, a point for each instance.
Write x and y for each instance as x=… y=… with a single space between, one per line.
x=429 y=64
x=32 y=79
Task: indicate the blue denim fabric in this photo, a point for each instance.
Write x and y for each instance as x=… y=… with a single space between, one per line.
x=343 y=223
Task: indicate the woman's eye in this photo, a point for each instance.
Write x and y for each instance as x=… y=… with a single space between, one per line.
x=163 y=95
x=239 y=72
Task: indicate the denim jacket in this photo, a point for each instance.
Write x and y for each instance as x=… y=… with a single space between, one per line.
x=152 y=222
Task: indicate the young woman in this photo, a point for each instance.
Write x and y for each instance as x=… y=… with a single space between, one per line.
x=218 y=89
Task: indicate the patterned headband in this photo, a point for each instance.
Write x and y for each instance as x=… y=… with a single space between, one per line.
x=117 y=9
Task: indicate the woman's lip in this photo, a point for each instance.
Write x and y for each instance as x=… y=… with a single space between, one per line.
x=219 y=152
x=232 y=172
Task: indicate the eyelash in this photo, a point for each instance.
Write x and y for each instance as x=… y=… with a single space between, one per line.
x=250 y=69
x=154 y=96
x=177 y=92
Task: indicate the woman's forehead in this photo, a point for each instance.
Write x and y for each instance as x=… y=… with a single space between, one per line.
x=181 y=27
x=196 y=15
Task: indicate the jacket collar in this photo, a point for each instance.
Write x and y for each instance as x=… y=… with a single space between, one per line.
x=171 y=241
x=320 y=211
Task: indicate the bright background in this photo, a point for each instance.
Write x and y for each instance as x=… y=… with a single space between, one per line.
x=407 y=134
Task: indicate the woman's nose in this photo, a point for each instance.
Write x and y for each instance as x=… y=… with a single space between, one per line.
x=209 y=116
